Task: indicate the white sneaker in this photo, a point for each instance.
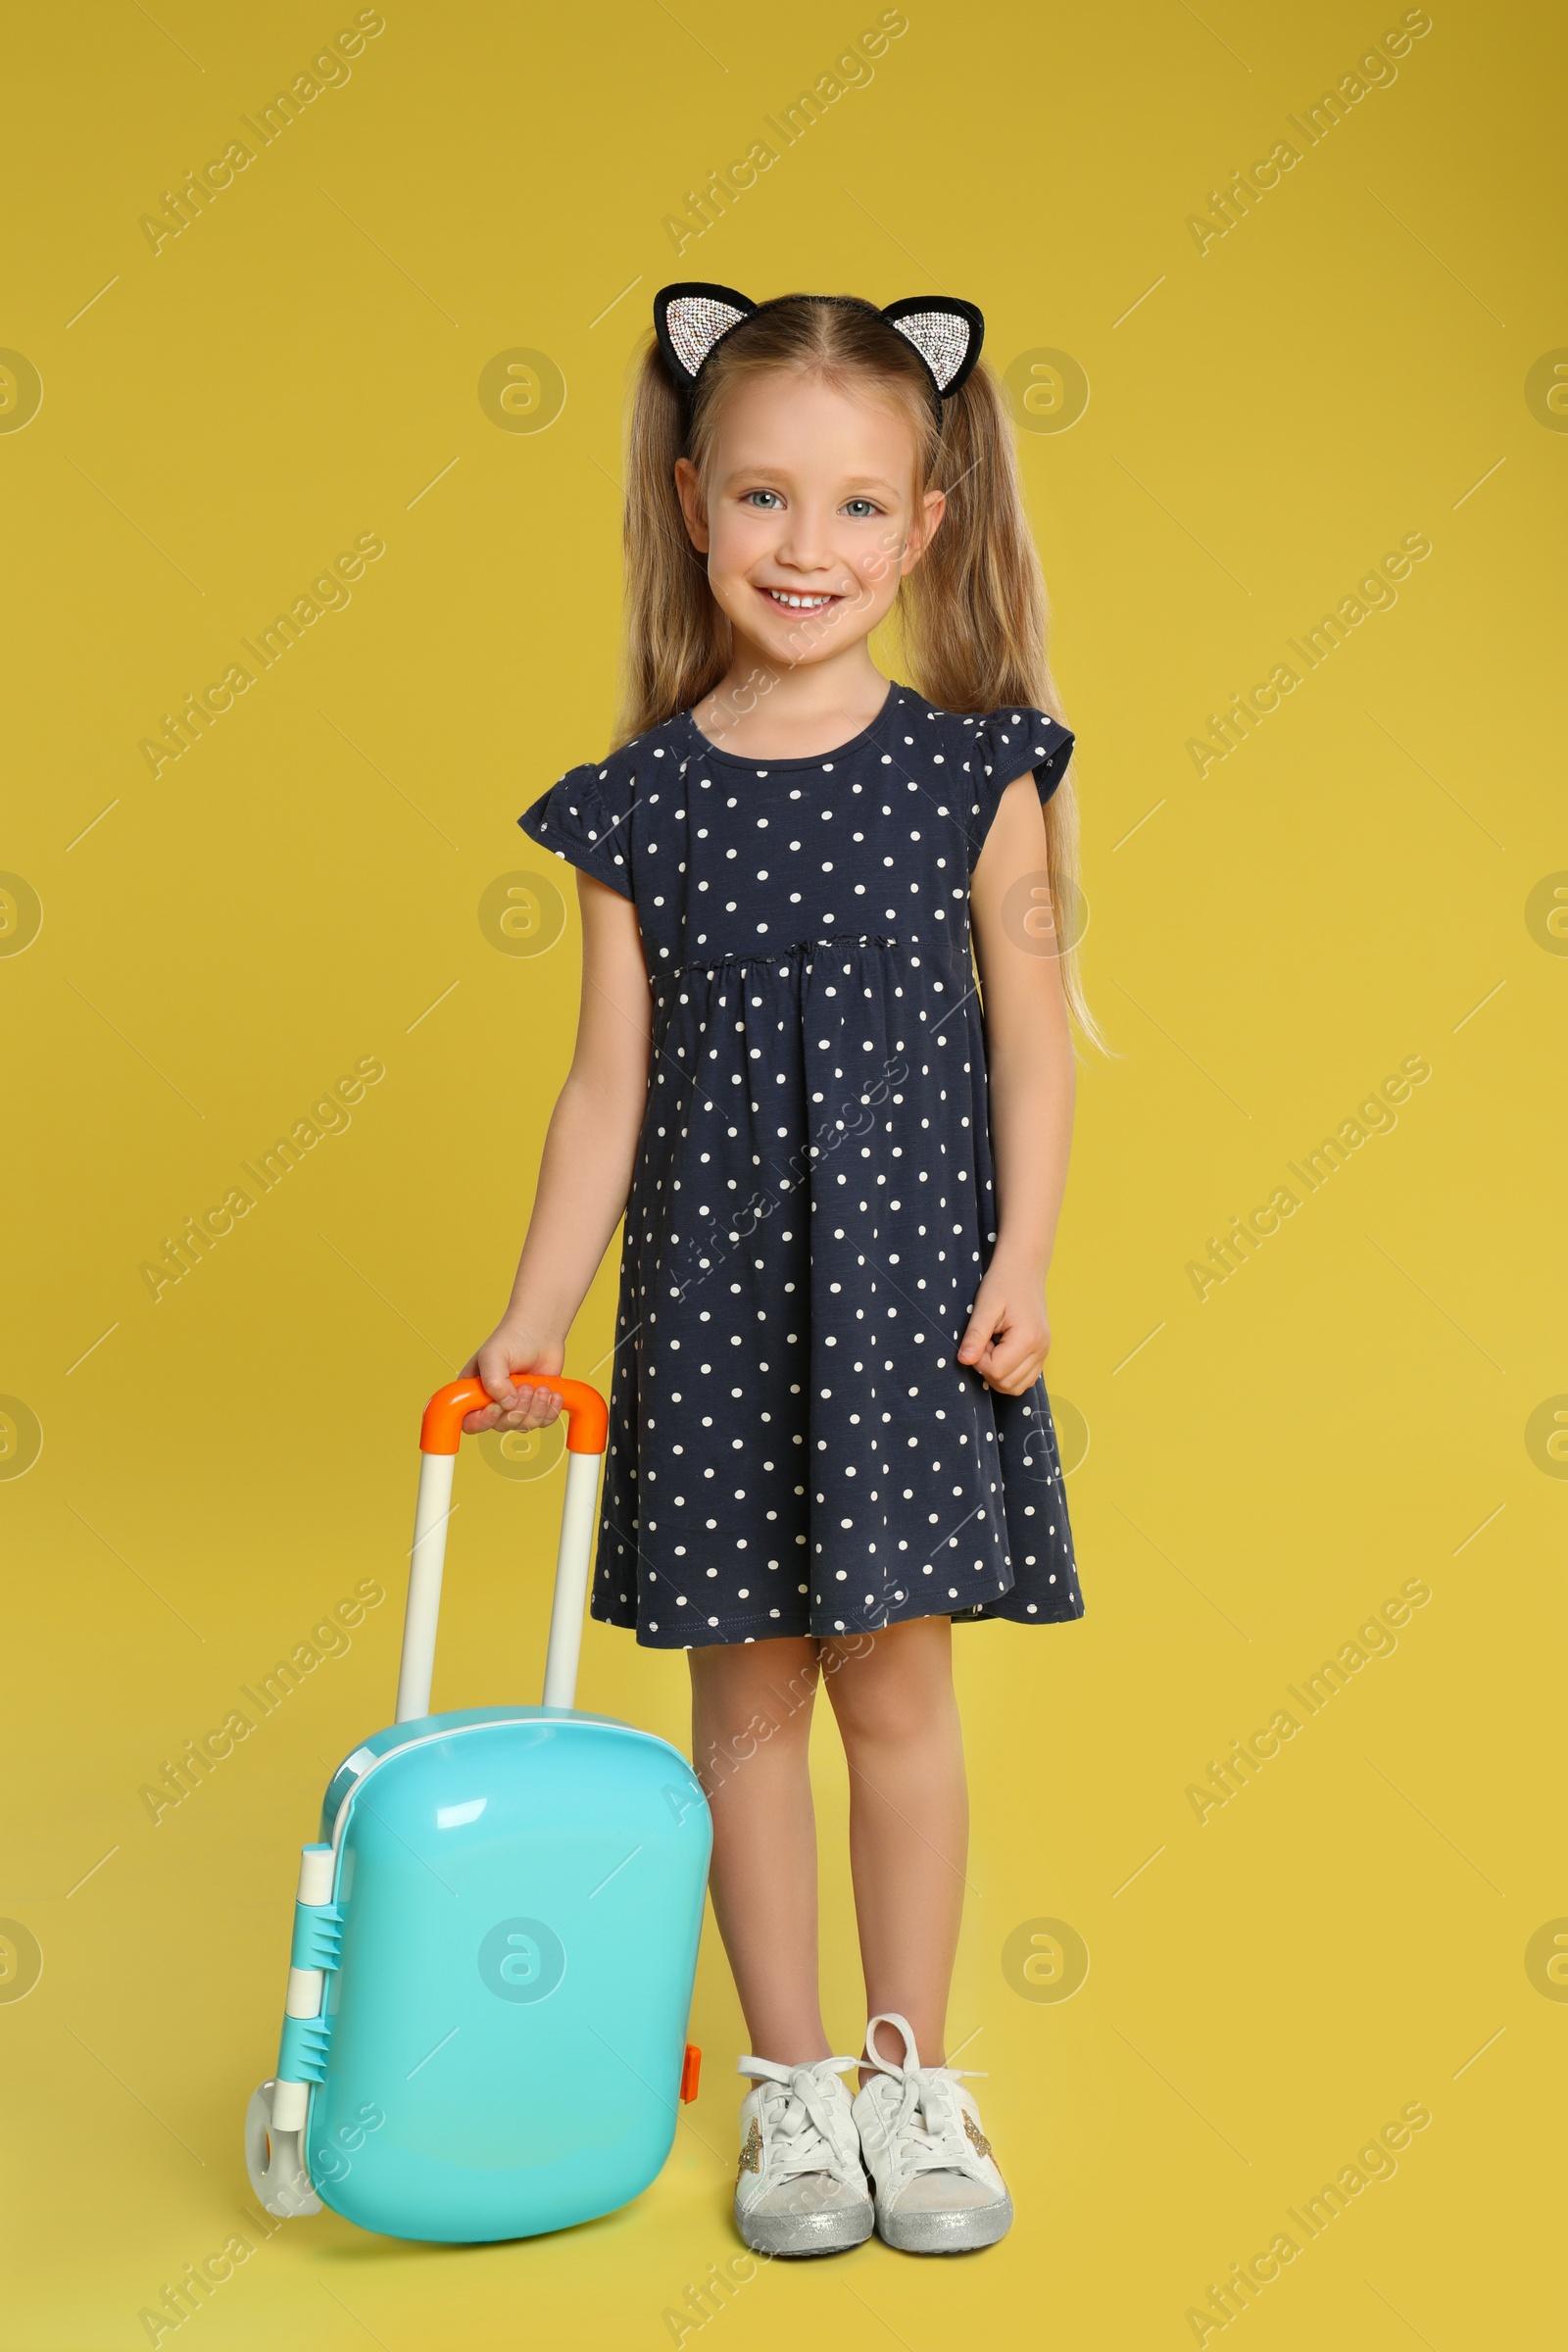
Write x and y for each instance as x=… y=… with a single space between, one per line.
x=800 y=2186
x=938 y=2188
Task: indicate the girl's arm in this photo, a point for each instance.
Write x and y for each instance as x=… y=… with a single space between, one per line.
x=1030 y=1060
x=585 y=1171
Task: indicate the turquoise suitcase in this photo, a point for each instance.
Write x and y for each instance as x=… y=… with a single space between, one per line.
x=495 y=1937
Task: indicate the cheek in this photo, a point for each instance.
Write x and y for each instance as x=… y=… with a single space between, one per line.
x=893 y=535
x=738 y=537
x=878 y=566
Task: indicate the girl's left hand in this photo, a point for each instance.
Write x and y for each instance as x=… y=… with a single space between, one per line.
x=1009 y=1335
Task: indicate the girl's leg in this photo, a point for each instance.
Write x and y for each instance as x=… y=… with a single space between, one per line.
x=896 y=1711
x=751 y=1723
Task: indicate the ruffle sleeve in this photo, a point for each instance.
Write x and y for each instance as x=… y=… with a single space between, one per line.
x=1004 y=745
x=586 y=820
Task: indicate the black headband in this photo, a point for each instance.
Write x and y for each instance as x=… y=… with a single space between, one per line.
x=691 y=318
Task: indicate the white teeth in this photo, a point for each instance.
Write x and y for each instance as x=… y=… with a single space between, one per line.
x=804 y=604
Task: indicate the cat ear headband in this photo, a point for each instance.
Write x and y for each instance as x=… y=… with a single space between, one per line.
x=690 y=320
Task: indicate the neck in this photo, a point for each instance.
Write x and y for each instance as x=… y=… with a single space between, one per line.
x=790 y=708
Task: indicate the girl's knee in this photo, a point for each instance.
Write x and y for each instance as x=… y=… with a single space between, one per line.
x=891 y=1685
x=754 y=1691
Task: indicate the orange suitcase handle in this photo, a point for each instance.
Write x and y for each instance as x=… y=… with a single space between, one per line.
x=440 y=1442
x=587 y=1415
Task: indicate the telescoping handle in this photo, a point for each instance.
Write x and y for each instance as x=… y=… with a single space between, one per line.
x=440 y=1435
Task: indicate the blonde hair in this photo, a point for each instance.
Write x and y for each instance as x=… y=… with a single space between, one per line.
x=970 y=616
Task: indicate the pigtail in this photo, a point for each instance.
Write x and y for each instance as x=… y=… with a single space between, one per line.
x=676 y=644
x=974 y=617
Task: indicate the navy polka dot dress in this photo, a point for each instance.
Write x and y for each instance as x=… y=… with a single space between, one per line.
x=794 y=1447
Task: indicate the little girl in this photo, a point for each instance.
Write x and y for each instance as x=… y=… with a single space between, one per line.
x=829 y=1435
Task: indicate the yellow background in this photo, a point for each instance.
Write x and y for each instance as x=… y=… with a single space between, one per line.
x=296 y=368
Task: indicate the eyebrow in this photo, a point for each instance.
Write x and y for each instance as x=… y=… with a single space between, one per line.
x=847 y=489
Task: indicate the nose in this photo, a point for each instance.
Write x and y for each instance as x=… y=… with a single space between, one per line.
x=807 y=544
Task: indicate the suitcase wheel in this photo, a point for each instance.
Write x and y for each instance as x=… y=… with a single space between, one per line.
x=275 y=2163
x=691 y=2068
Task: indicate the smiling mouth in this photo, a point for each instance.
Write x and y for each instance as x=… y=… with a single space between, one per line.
x=788 y=602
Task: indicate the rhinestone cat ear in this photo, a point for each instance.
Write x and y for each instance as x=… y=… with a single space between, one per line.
x=688 y=319
x=691 y=318
x=946 y=334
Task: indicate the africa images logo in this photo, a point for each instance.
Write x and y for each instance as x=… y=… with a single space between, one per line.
x=522 y=1960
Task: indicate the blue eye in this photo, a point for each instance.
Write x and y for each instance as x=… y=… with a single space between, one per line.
x=756 y=495
x=859 y=508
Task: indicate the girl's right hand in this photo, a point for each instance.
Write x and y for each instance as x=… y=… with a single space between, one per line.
x=505 y=1351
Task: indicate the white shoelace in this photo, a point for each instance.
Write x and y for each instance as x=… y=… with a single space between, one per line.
x=938 y=2142
x=798 y=2129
